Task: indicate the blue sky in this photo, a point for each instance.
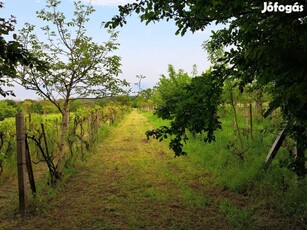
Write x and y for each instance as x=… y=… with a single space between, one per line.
x=145 y=50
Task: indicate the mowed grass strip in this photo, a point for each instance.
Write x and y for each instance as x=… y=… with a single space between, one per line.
x=132 y=183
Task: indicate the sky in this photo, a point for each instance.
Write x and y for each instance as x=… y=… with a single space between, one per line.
x=144 y=50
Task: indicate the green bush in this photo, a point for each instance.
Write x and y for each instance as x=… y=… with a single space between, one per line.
x=7 y=110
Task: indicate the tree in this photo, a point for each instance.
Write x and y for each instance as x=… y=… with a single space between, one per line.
x=37 y=107
x=172 y=84
x=147 y=94
x=190 y=107
x=138 y=84
x=264 y=47
x=79 y=67
x=12 y=54
x=7 y=110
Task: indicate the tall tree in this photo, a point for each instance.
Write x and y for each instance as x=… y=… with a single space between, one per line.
x=171 y=84
x=79 y=67
x=266 y=46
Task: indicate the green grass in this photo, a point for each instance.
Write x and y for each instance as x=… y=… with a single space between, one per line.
x=274 y=189
x=222 y=162
x=242 y=218
x=134 y=183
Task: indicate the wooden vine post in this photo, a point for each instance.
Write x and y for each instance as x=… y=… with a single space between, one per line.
x=251 y=120
x=29 y=166
x=275 y=147
x=96 y=121
x=21 y=163
x=81 y=137
x=89 y=130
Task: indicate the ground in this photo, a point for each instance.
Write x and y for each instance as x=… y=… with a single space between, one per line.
x=131 y=183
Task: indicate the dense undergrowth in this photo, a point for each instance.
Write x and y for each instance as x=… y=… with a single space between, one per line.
x=241 y=169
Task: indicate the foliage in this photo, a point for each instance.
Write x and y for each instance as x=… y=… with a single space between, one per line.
x=44 y=133
x=124 y=100
x=275 y=189
x=267 y=48
x=12 y=54
x=7 y=143
x=37 y=107
x=169 y=85
x=8 y=109
x=144 y=99
x=79 y=67
x=144 y=96
x=164 y=89
x=191 y=107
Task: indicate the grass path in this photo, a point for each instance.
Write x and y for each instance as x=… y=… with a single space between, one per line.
x=132 y=183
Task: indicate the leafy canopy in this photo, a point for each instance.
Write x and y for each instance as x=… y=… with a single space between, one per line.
x=189 y=106
x=79 y=67
x=263 y=48
x=172 y=84
x=12 y=54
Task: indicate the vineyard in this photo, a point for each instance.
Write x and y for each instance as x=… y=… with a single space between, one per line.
x=43 y=137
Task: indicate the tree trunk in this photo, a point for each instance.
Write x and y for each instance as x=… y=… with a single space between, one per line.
x=259 y=108
x=251 y=120
x=64 y=128
x=299 y=166
x=301 y=144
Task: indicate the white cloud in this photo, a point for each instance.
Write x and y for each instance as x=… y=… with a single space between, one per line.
x=109 y=2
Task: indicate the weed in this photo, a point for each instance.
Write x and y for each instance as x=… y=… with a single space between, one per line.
x=239 y=217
